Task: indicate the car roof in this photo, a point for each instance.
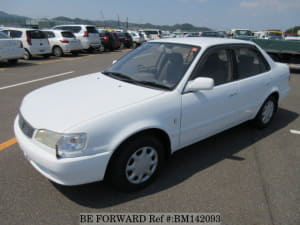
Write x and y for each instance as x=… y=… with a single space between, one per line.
x=72 y=25
x=17 y=28
x=202 y=41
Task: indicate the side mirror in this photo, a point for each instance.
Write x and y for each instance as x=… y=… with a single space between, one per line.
x=200 y=84
x=113 y=62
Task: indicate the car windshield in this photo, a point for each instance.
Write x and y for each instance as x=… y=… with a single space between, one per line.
x=243 y=32
x=155 y=65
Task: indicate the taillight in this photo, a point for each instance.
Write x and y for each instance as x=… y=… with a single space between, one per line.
x=106 y=38
x=28 y=39
x=126 y=38
x=86 y=34
x=64 y=41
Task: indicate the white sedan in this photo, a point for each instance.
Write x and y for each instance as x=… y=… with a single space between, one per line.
x=10 y=50
x=121 y=124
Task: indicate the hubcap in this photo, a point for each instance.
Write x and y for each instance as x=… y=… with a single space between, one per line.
x=141 y=165
x=267 y=112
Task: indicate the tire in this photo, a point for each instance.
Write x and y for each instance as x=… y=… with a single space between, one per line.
x=266 y=113
x=12 y=61
x=57 y=51
x=27 y=55
x=136 y=163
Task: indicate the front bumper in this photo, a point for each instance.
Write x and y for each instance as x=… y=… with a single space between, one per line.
x=65 y=171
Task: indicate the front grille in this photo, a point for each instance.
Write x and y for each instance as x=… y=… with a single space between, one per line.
x=26 y=128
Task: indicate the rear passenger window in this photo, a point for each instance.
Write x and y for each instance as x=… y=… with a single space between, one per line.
x=91 y=30
x=67 y=34
x=216 y=65
x=74 y=29
x=36 y=34
x=249 y=62
x=15 y=33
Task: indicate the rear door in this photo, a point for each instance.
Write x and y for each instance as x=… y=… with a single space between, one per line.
x=38 y=43
x=254 y=77
x=93 y=35
x=8 y=47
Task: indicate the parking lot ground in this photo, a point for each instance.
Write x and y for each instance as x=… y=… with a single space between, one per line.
x=250 y=176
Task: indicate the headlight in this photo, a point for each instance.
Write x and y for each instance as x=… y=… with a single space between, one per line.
x=65 y=144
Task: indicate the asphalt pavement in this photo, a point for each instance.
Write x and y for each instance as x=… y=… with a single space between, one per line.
x=249 y=176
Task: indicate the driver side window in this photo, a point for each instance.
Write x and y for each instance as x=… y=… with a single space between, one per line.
x=215 y=65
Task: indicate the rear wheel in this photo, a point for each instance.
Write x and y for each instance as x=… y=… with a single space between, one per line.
x=266 y=113
x=57 y=51
x=137 y=163
x=27 y=55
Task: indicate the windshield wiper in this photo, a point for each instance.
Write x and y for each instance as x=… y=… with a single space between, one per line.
x=120 y=76
x=154 y=84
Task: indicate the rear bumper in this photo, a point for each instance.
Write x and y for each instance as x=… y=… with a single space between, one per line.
x=11 y=54
x=65 y=171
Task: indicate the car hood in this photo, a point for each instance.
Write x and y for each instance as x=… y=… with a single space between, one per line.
x=61 y=105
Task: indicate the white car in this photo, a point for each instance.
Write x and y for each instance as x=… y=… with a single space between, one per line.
x=137 y=38
x=10 y=50
x=63 y=41
x=87 y=34
x=34 y=41
x=122 y=123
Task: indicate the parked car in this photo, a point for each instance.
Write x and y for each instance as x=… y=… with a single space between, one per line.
x=137 y=38
x=117 y=40
x=87 y=34
x=63 y=41
x=108 y=40
x=10 y=50
x=34 y=41
x=159 y=98
x=125 y=39
x=152 y=34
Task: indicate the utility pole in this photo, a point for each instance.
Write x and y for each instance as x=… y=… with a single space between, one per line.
x=118 y=21
x=127 y=23
x=104 y=25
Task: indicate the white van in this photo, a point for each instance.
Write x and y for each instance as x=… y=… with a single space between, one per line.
x=34 y=41
x=87 y=34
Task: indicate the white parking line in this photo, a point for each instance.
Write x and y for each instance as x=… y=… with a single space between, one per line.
x=36 y=80
x=295 y=131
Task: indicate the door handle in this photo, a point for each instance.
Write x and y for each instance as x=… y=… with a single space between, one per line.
x=233 y=94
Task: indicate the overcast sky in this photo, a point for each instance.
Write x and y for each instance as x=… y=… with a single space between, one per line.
x=216 y=14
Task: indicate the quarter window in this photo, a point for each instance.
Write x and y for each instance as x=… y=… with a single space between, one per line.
x=249 y=62
x=216 y=65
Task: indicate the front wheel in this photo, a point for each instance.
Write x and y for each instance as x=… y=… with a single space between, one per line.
x=137 y=163
x=266 y=113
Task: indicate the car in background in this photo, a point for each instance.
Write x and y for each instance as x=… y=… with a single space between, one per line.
x=159 y=98
x=152 y=34
x=109 y=40
x=209 y=34
x=10 y=50
x=63 y=41
x=192 y=34
x=137 y=38
x=240 y=33
x=34 y=41
x=87 y=34
x=125 y=39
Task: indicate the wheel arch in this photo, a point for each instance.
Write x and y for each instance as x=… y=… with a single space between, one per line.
x=156 y=132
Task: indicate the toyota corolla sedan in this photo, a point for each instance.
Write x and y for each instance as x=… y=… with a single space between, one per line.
x=121 y=124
